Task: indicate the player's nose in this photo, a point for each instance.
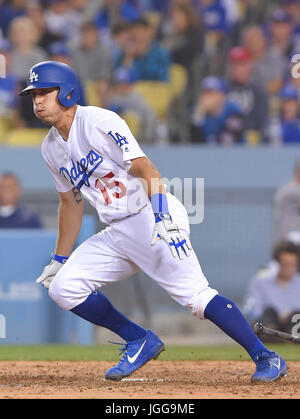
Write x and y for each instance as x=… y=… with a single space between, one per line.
x=37 y=99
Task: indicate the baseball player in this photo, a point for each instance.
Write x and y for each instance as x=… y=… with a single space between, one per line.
x=91 y=152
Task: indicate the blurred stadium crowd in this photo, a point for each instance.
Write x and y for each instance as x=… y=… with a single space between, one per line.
x=178 y=71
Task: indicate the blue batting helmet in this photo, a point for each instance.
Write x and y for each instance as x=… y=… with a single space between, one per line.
x=54 y=74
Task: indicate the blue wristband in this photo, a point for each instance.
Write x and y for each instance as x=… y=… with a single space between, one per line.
x=159 y=203
x=60 y=259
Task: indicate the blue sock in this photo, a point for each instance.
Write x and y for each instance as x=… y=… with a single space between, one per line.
x=225 y=314
x=98 y=310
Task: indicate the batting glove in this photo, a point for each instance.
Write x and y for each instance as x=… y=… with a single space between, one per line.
x=164 y=229
x=51 y=270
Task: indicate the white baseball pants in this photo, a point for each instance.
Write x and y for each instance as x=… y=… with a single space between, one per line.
x=121 y=250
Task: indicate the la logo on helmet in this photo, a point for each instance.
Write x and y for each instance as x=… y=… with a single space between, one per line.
x=33 y=76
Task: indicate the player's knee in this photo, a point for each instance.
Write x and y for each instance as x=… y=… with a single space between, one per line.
x=200 y=301
x=67 y=290
x=59 y=293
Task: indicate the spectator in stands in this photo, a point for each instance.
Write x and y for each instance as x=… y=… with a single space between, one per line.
x=12 y=215
x=250 y=97
x=45 y=37
x=185 y=39
x=92 y=61
x=216 y=45
x=63 y=20
x=8 y=89
x=114 y=11
x=268 y=64
x=60 y=52
x=9 y=11
x=216 y=119
x=148 y=59
x=125 y=100
x=285 y=128
x=280 y=31
x=121 y=35
x=213 y=14
x=292 y=8
x=286 y=209
x=25 y=53
x=273 y=299
x=24 y=37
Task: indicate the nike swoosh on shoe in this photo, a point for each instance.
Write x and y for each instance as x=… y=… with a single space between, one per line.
x=132 y=359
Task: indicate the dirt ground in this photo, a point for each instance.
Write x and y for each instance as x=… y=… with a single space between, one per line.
x=157 y=380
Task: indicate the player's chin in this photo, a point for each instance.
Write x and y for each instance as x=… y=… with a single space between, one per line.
x=46 y=120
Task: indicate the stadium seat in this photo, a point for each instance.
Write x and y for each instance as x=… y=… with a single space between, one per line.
x=91 y=91
x=157 y=94
x=133 y=121
x=5 y=125
x=253 y=137
x=178 y=79
x=26 y=137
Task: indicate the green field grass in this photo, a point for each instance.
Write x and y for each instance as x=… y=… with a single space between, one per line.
x=110 y=353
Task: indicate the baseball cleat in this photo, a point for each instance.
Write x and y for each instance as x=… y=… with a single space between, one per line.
x=269 y=367
x=136 y=354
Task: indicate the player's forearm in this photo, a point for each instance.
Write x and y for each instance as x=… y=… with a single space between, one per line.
x=144 y=169
x=69 y=223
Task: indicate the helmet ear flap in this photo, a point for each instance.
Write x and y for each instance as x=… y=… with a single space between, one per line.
x=67 y=97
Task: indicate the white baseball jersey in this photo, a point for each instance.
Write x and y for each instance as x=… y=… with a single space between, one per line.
x=96 y=159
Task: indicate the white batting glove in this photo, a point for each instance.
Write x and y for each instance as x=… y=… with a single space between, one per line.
x=164 y=229
x=51 y=270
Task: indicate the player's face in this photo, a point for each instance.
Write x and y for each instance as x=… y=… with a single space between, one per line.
x=46 y=105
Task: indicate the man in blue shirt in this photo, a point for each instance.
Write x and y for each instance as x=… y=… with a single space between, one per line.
x=285 y=128
x=148 y=59
x=215 y=118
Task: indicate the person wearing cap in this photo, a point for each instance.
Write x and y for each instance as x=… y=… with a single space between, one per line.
x=292 y=8
x=285 y=129
x=215 y=118
x=250 y=97
x=280 y=31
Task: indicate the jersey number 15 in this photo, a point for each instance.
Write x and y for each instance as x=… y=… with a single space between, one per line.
x=105 y=185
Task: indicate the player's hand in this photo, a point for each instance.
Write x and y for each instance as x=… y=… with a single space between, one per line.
x=164 y=229
x=49 y=273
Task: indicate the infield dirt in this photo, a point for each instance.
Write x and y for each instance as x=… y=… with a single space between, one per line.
x=157 y=380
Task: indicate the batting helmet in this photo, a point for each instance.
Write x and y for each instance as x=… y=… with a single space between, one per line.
x=54 y=74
